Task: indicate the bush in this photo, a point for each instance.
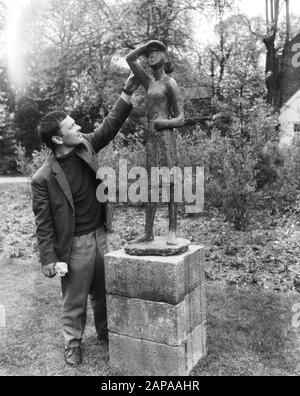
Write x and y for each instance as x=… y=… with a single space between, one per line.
x=228 y=169
x=242 y=166
x=28 y=165
x=281 y=193
x=129 y=148
x=243 y=169
x=123 y=147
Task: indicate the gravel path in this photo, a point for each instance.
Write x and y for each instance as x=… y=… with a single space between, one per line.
x=15 y=179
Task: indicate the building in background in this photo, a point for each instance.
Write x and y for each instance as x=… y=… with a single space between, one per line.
x=290 y=95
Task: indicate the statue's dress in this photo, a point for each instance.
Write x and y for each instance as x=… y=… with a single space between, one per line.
x=160 y=145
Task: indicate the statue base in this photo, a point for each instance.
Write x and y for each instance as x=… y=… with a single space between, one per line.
x=156 y=312
x=158 y=247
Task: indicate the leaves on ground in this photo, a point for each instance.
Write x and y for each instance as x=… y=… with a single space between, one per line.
x=250 y=330
x=266 y=255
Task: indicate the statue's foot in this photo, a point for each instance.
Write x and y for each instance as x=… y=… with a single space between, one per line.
x=142 y=239
x=172 y=240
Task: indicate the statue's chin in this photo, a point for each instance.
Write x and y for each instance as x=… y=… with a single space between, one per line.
x=156 y=65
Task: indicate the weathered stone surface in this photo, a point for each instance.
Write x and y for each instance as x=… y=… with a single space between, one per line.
x=158 y=247
x=195 y=308
x=154 y=278
x=146 y=358
x=156 y=312
x=196 y=346
x=156 y=321
x=149 y=320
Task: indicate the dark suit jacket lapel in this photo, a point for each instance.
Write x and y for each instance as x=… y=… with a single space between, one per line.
x=86 y=153
x=62 y=180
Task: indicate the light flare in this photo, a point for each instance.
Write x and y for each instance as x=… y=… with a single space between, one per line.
x=14 y=43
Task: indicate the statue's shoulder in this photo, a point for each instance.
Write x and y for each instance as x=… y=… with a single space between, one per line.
x=171 y=82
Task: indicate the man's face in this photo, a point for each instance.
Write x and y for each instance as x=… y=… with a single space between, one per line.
x=156 y=57
x=71 y=135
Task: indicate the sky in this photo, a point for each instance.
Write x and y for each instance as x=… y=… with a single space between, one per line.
x=257 y=7
x=203 y=30
x=252 y=8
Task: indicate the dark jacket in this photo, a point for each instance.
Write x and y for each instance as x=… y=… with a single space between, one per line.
x=51 y=194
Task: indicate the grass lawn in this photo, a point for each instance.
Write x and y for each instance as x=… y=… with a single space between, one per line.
x=250 y=329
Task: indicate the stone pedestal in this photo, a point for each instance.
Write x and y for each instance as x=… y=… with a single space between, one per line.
x=156 y=312
x=158 y=247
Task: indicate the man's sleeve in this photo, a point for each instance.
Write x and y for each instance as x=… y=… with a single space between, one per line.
x=43 y=220
x=110 y=126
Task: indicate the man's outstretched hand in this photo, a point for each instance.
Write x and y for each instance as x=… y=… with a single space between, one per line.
x=49 y=270
x=131 y=84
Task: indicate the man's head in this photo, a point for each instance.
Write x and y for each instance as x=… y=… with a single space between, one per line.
x=58 y=129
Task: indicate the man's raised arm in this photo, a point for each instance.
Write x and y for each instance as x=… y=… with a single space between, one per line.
x=116 y=117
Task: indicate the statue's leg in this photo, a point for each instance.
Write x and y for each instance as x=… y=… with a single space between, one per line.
x=148 y=236
x=150 y=215
x=172 y=218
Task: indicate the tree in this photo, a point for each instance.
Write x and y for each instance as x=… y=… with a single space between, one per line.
x=215 y=56
x=275 y=39
x=242 y=78
x=233 y=65
x=69 y=63
x=7 y=141
x=7 y=163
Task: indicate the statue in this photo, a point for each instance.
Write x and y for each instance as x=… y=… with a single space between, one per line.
x=165 y=112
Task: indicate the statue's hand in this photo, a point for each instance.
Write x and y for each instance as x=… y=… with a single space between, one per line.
x=161 y=123
x=132 y=83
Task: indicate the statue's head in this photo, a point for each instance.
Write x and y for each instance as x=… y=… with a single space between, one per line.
x=157 y=55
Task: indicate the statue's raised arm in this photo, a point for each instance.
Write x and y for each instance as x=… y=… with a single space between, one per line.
x=135 y=66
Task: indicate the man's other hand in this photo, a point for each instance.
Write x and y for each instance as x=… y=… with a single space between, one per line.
x=132 y=83
x=49 y=270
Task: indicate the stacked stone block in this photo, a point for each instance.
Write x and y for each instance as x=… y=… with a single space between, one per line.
x=156 y=309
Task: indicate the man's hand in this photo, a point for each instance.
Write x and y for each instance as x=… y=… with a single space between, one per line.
x=49 y=270
x=132 y=83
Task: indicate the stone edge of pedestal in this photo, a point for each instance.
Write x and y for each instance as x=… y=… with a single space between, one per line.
x=155 y=278
x=158 y=247
x=166 y=323
x=149 y=358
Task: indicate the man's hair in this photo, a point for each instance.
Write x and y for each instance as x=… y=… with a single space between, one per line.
x=49 y=126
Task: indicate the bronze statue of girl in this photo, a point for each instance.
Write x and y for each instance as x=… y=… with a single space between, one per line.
x=165 y=112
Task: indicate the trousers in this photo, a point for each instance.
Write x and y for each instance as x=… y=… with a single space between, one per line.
x=85 y=278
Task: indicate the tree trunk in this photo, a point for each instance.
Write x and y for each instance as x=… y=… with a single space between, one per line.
x=288 y=22
x=274 y=61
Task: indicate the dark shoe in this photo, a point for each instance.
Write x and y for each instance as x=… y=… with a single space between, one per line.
x=73 y=356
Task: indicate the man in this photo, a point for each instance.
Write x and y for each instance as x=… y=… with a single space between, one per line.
x=71 y=223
